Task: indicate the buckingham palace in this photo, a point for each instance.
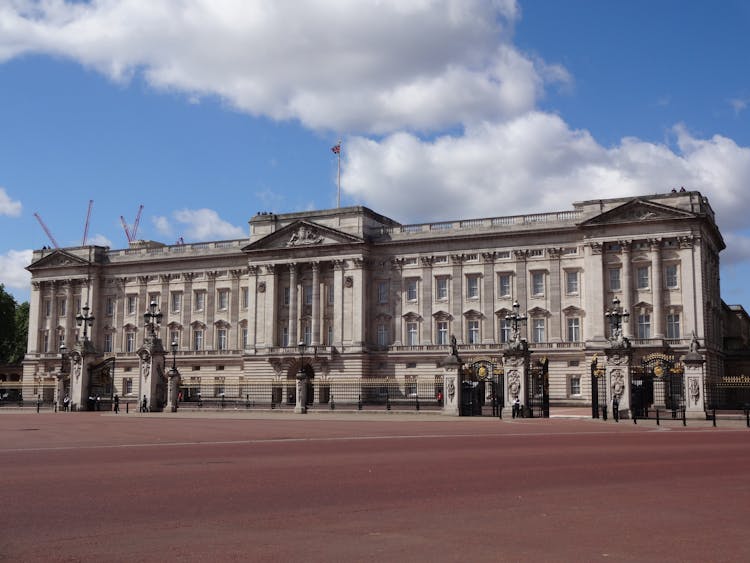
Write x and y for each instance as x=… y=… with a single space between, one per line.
x=348 y=293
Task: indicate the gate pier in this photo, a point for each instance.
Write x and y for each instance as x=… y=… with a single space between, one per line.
x=694 y=380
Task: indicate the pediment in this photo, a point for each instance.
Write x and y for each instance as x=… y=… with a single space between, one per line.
x=57 y=259
x=638 y=210
x=302 y=234
x=537 y=312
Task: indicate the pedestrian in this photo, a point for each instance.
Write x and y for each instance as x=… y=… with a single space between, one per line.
x=144 y=405
x=97 y=402
x=440 y=398
x=516 y=409
x=66 y=403
x=117 y=403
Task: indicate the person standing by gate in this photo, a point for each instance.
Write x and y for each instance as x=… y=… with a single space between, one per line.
x=144 y=405
x=117 y=403
x=516 y=409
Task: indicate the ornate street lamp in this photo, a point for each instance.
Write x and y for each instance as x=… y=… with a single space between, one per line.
x=515 y=320
x=84 y=319
x=63 y=357
x=301 y=374
x=301 y=407
x=616 y=315
x=174 y=357
x=152 y=318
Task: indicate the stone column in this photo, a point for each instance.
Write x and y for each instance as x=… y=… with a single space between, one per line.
x=173 y=390
x=315 y=337
x=234 y=310
x=359 y=306
x=70 y=315
x=457 y=298
x=694 y=381
x=555 y=295
x=252 y=306
x=82 y=358
x=656 y=290
x=35 y=317
x=165 y=305
x=618 y=377
x=209 y=341
x=301 y=405
x=292 y=326
x=626 y=284
x=516 y=367
x=452 y=367
x=593 y=297
x=152 y=374
x=488 y=298
x=426 y=299
x=338 y=303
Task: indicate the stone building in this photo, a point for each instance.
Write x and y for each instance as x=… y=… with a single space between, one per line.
x=371 y=297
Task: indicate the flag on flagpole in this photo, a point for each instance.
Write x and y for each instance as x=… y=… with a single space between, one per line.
x=336 y=149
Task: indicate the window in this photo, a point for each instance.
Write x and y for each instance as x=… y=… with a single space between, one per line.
x=197 y=339
x=575 y=385
x=442 y=332
x=62 y=307
x=537 y=283
x=287 y=296
x=472 y=286
x=329 y=334
x=503 y=285
x=200 y=302
x=107 y=342
x=132 y=302
x=307 y=294
x=330 y=294
x=473 y=331
x=222 y=301
x=412 y=335
x=571 y=283
x=307 y=334
x=285 y=336
x=245 y=297
x=382 y=292
x=109 y=306
x=505 y=330
x=671 y=276
x=538 y=330
x=221 y=339
x=642 y=281
x=382 y=334
x=47 y=308
x=243 y=336
x=411 y=289
x=127 y=386
x=673 y=325
x=441 y=292
x=574 y=329
x=130 y=342
x=644 y=326
x=176 y=302
x=45 y=341
x=614 y=279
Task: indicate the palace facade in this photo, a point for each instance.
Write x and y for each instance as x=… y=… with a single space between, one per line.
x=371 y=297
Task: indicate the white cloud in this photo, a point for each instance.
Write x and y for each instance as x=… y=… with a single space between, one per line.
x=205 y=224
x=8 y=206
x=12 y=272
x=100 y=240
x=738 y=104
x=371 y=65
x=162 y=225
x=533 y=163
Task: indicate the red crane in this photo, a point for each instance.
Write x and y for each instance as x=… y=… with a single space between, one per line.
x=131 y=233
x=46 y=230
x=86 y=227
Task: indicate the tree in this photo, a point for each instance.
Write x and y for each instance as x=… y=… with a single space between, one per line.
x=14 y=328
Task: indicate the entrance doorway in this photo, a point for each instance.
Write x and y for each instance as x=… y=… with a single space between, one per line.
x=481 y=390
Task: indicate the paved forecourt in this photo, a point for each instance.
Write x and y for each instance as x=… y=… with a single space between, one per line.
x=265 y=486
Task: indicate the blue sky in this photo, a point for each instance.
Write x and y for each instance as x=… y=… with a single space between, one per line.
x=207 y=111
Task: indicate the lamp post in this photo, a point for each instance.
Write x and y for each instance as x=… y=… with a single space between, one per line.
x=152 y=319
x=174 y=380
x=616 y=316
x=174 y=356
x=61 y=380
x=84 y=319
x=515 y=319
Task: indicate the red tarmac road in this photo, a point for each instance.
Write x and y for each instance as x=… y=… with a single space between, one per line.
x=92 y=487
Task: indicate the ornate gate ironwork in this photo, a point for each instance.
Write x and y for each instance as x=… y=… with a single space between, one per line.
x=728 y=392
x=481 y=395
x=598 y=390
x=657 y=384
x=101 y=377
x=537 y=390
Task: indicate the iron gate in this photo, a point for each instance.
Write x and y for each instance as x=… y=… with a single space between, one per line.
x=100 y=385
x=481 y=390
x=537 y=390
x=657 y=384
x=727 y=392
x=598 y=390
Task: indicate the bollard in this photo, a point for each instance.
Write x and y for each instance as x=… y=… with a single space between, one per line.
x=55 y=407
x=684 y=417
x=657 y=417
x=417 y=402
x=714 y=417
x=747 y=417
x=635 y=416
x=359 y=402
x=604 y=413
x=333 y=404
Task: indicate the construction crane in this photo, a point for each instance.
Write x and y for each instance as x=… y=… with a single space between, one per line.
x=86 y=227
x=132 y=233
x=46 y=230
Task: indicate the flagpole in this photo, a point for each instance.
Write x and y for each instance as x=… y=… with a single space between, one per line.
x=338 y=178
